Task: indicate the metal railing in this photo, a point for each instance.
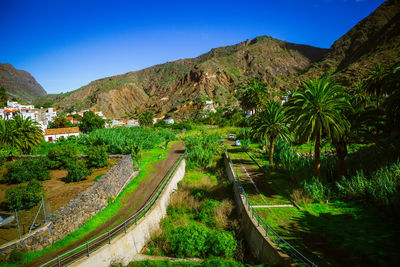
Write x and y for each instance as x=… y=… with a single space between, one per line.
x=269 y=232
x=87 y=248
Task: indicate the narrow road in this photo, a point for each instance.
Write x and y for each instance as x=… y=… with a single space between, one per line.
x=137 y=200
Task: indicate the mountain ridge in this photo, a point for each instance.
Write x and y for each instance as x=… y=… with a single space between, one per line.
x=19 y=83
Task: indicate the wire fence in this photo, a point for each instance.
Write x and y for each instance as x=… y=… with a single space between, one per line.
x=281 y=243
x=89 y=247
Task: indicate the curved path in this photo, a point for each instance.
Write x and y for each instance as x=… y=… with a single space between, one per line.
x=137 y=200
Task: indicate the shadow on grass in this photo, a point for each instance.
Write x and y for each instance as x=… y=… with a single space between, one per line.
x=360 y=238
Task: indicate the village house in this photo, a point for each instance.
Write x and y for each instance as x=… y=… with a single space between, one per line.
x=53 y=134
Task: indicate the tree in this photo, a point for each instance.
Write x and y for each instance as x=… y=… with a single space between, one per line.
x=316 y=110
x=91 y=121
x=3 y=97
x=271 y=123
x=375 y=83
x=253 y=95
x=146 y=119
x=60 y=122
x=24 y=134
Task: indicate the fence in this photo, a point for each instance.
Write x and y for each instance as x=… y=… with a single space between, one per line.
x=104 y=239
x=269 y=232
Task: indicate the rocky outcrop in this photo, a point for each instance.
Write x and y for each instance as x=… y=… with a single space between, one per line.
x=19 y=83
x=78 y=210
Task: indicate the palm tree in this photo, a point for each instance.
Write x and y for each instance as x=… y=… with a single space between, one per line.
x=271 y=123
x=253 y=95
x=375 y=83
x=27 y=134
x=316 y=110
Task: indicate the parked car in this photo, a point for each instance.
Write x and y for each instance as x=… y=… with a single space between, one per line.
x=237 y=142
x=231 y=137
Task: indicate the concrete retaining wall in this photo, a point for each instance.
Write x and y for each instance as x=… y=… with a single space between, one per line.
x=78 y=210
x=262 y=247
x=124 y=247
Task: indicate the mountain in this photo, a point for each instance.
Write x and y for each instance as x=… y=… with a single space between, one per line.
x=375 y=39
x=19 y=83
x=173 y=87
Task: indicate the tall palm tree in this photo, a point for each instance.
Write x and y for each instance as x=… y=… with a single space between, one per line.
x=271 y=123
x=316 y=110
x=27 y=134
x=375 y=82
x=253 y=95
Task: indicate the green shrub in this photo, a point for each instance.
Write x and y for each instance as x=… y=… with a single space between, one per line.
x=16 y=256
x=222 y=243
x=97 y=157
x=61 y=156
x=189 y=241
x=77 y=170
x=206 y=212
x=196 y=240
x=317 y=190
x=24 y=196
x=25 y=170
x=218 y=262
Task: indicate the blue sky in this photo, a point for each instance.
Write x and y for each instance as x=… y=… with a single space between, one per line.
x=67 y=44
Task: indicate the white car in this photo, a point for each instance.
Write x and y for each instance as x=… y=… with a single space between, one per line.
x=231 y=137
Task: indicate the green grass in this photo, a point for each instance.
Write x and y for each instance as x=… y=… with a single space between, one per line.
x=149 y=159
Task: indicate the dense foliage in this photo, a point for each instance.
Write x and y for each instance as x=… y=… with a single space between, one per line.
x=201 y=150
x=90 y=122
x=125 y=140
x=21 y=134
x=24 y=196
x=77 y=170
x=60 y=122
x=197 y=240
x=146 y=119
x=25 y=170
x=97 y=157
x=61 y=156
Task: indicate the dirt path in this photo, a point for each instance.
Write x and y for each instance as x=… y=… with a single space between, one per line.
x=137 y=200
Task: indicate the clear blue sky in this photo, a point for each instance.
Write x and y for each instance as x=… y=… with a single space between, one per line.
x=67 y=44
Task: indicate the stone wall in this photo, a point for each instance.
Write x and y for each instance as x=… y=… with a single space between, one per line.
x=261 y=246
x=78 y=210
x=126 y=246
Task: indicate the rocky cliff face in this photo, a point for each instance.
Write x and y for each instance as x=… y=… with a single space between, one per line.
x=19 y=83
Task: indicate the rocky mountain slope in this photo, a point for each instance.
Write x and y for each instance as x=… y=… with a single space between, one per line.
x=375 y=39
x=19 y=83
x=172 y=88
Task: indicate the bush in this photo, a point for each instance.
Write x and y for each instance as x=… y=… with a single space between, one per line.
x=97 y=157
x=189 y=241
x=197 y=240
x=24 y=196
x=223 y=244
x=77 y=170
x=316 y=190
x=25 y=170
x=206 y=213
x=61 y=156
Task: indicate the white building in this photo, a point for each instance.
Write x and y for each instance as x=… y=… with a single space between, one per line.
x=209 y=106
x=51 y=135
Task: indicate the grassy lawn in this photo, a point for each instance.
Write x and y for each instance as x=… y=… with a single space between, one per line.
x=147 y=162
